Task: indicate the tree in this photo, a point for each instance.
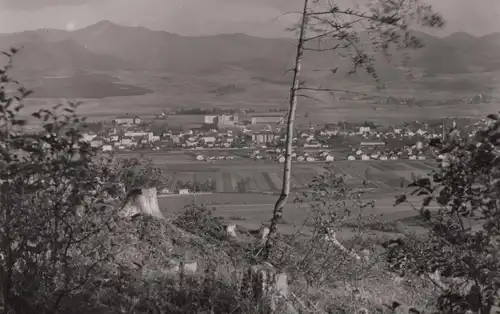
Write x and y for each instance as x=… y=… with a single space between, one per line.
x=142 y=174
x=55 y=213
x=387 y=25
x=331 y=207
x=461 y=207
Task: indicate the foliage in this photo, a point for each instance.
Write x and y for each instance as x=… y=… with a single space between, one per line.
x=141 y=174
x=58 y=202
x=357 y=34
x=199 y=220
x=312 y=252
x=460 y=203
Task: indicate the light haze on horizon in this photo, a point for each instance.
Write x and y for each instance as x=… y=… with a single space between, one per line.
x=207 y=17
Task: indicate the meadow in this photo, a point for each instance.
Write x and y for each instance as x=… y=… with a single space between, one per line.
x=156 y=92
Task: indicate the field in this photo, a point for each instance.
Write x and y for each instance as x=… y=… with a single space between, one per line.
x=383 y=179
x=261 y=177
x=147 y=93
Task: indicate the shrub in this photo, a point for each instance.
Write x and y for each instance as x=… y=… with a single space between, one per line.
x=461 y=206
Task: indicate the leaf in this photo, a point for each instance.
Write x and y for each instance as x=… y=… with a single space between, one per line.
x=334 y=70
x=436 y=142
x=400 y=199
x=493 y=117
x=427 y=200
x=423 y=192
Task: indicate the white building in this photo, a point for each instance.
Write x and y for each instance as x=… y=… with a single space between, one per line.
x=210 y=119
x=329 y=158
x=209 y=139
x=364 y=129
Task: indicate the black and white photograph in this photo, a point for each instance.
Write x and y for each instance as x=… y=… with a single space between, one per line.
x=250 y=156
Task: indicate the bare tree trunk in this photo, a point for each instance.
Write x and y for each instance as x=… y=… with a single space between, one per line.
x=285 y=190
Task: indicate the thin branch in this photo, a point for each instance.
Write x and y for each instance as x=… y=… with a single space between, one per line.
x=312 y=98
x=320 y=89
x=286 y=13
x=336 y=47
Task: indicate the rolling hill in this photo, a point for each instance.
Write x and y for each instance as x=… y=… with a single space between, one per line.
x=108 y=47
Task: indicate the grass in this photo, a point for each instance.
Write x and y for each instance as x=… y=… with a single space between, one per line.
x=215 y=285
x=85 y=85
x=193 y=91
x=251 y=209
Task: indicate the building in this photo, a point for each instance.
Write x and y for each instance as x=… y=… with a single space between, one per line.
x=209 y=139
x=96 y=142
x=87 y=137
x=364 y=129
x=107 y=148
x=263 y=137
x=210 y=119
x=222 y=120
x=329 y=158
x=269 y=119
x=126 y=141
x=127 y=120
x=227 y=120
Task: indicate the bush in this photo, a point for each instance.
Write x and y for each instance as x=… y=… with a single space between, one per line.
x=463 y=242
x=199 y=220
x=58 y=207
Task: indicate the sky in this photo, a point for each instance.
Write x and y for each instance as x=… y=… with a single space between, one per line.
x=204 y=17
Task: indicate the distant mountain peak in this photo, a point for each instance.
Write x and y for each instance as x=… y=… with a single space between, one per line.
x=461 y=35
x=106 y=23
x=102 y=25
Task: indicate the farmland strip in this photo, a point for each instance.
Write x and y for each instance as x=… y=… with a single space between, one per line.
x=173 y=181
x=219 y=182
x=234 y=181
x=226 y=178
x=269 y=181
x=276 y=180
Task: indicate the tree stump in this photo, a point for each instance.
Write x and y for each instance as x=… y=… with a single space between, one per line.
x=268 y=288
x=142 y=201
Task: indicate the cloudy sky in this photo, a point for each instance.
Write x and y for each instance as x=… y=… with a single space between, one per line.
x=201 y=17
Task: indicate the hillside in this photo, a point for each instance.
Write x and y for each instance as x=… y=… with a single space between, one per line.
x=111 y=48
x=39 y=55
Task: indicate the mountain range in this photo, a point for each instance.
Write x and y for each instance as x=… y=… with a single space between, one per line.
x=108 y=47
